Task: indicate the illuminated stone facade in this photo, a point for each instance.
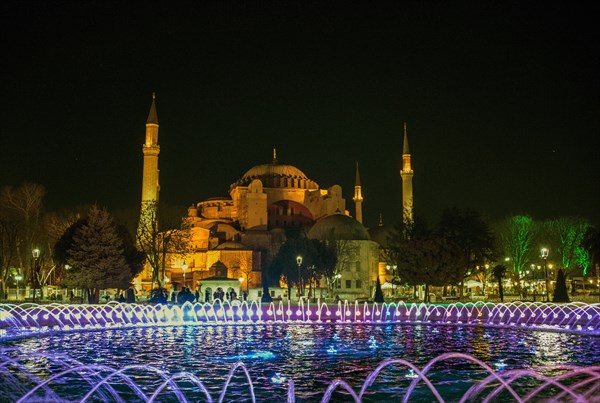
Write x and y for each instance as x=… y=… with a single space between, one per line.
x=244 y=230
x=241 y=233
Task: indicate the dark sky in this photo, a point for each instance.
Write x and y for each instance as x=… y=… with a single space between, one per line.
x=501 y=100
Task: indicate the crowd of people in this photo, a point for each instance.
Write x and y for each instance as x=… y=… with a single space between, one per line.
x=162 y=296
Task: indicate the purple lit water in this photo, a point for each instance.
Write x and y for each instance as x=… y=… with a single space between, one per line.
x=300 y=352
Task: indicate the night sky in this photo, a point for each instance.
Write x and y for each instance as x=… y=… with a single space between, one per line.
x=501 y=101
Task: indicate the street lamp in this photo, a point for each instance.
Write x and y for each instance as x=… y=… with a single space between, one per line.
x=544 y=253
x=184 y=268
x=299 y=262
x=36 y=255
x=18 y=277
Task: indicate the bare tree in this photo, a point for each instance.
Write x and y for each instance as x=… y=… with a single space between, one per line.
x=54 y=226
x=24 y=205
x=243 y=262
x=9 y=236
x=161 y=241
x=345 y=253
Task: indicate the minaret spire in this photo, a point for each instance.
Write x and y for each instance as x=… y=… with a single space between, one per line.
x=274 y=156
x=151 y=149
x=406 y=174
x=405 y=148
x=358 y=199
x=152 y=116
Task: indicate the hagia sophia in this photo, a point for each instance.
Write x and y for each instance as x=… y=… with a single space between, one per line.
x=232 y=239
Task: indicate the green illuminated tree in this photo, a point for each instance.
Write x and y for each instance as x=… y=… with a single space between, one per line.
x=568 y=234
x=591 y=243
x=582 y=256
x=516 y=235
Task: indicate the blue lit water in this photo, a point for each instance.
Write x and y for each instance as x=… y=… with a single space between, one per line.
x=300 y=352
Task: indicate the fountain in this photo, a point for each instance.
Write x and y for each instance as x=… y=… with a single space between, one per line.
x=572 y=317
x=265 y=348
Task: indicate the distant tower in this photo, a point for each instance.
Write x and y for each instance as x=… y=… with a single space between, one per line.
x=407 y=174
x=358 y=199
x=151 y=149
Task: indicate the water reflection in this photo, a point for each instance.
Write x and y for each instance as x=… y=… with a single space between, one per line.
x=300 y=353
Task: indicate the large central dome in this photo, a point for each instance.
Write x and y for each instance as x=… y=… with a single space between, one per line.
x=274 y=169
x=275 y=175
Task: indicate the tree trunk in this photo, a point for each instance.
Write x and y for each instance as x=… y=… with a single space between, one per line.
x=500 y=289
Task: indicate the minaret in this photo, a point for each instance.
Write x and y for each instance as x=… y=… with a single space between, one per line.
x=407 y=191
x=358 y=199
x=151 y=149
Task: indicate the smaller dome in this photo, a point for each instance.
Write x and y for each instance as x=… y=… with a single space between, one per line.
x=339 y=227
x=218 y=265
x=219 y=268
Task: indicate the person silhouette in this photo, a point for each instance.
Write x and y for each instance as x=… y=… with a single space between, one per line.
x=131 y=295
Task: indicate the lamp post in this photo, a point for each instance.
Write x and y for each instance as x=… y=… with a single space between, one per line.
x=184 y=268
x=299 y=262
x=336 y=278
x=36 y=255
x=18 y=277
x=544 y=253
x=534 y=278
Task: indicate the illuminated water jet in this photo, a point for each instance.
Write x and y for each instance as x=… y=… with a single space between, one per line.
x=572 y=317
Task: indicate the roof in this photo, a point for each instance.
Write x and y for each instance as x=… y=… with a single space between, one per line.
x=271 y=174
x=338 y=227
x=218 y=265
x=231 y=245
x=220 y=279
x=152 y=115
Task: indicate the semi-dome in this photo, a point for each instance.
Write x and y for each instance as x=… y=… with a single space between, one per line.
x=231 y=245
x=338 y=227
x=275 y=175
